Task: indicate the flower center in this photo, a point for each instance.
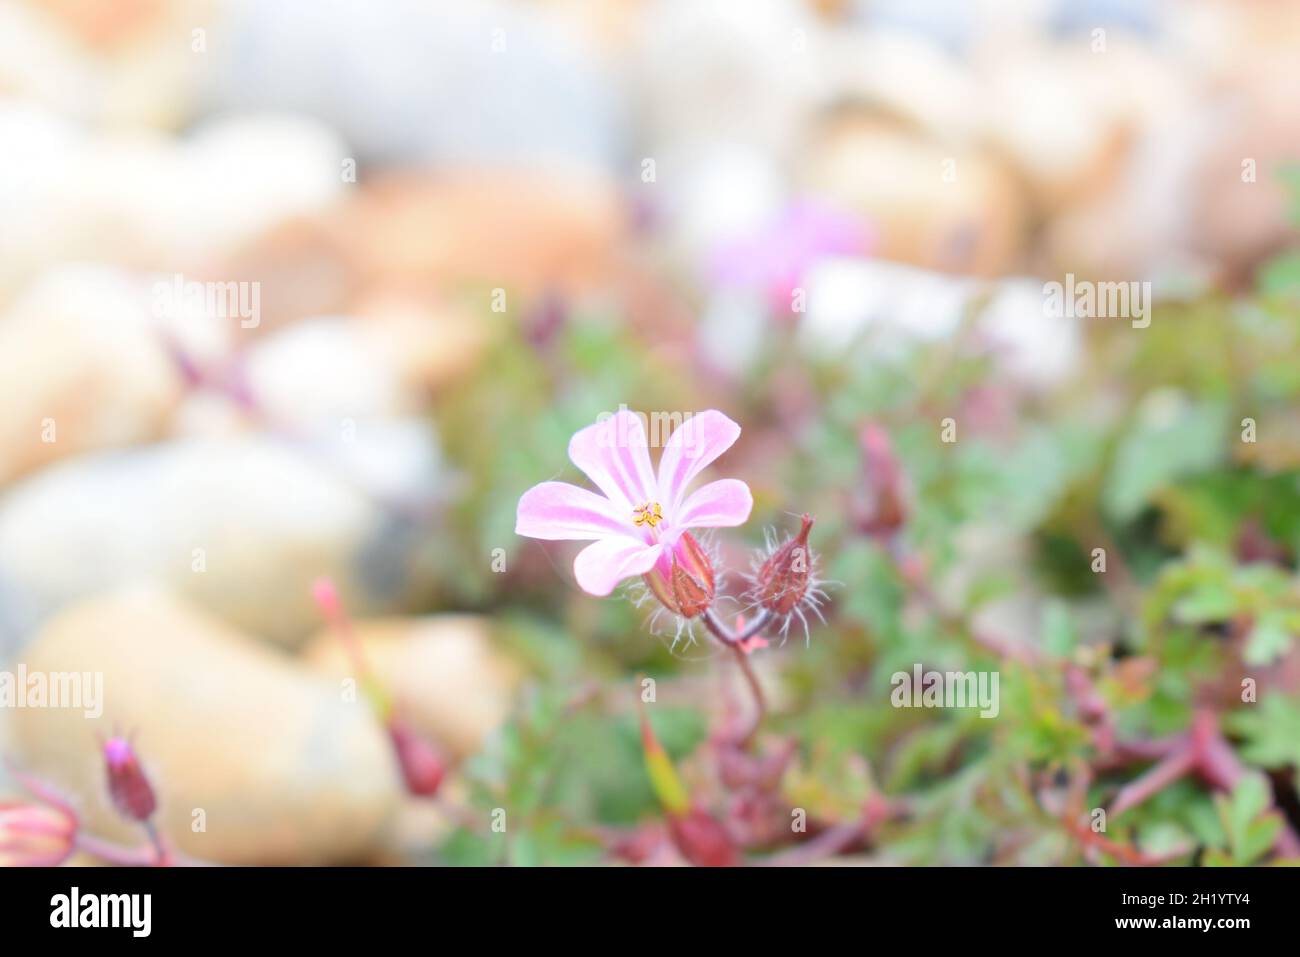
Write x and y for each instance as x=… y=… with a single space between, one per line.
x=648 y=514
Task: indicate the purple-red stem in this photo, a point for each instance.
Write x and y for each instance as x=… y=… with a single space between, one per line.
x=734 y=641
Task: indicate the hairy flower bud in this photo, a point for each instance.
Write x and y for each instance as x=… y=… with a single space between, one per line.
x=35 y=835
x=128 y=786
x=783 y=579
x=689 y=588
x=422 y=766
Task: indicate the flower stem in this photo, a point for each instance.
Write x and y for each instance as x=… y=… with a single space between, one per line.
x=760 y=700
x=155 y=838
x=832 y=841
x=732 y=640
x=112 y=853
x=725 y=635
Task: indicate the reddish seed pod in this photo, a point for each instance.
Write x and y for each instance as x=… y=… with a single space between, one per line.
x=783 y=579
x=690 y=589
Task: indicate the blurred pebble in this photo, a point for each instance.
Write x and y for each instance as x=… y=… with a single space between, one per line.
x=141 y=199
x=399 y=79
x=112 y=62
x=942 y=206
x=282 y=767
x=522 y=231
x=241 y=525
x=336 y=368
x=82 y=367
x=447 y=679
x=742 y=74
x=426 y=237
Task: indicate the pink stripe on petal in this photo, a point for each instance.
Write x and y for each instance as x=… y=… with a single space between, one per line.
x=697 y=442
x=602 y=565
x=558 y=511
x=720 y=504
x=615 y=455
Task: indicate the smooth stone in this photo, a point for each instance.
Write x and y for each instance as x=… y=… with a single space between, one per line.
x=240 y=525
x=142 y=199
x=448 y=680
x=747 y=75
x=338 y=368
x=113 y=63
x=890 y=175
x=284 y=769
x=524 y=231
x=82 y=367
x=394 y=77
x=421 y=236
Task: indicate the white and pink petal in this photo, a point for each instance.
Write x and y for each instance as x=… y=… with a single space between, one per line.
x=558 y=511
x=602 y=565
x=721 y=504
x=696 y=444
x=615 y=455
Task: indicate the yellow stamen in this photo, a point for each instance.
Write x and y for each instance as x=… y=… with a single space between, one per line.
x=649 y=514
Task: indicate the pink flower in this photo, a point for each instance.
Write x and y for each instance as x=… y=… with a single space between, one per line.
x=638 y=526
x=779 y=257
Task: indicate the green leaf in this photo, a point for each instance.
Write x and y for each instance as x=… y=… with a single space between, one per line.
x=1259 y=837
x=1249 y=798
x=667 y=785
x=1280 y=276
x=1269 y=639
x=1209 y=603
x=1249 y=825
x=876 y=599
x=1172 y=438
x=1270 y=729
x=1059 y=637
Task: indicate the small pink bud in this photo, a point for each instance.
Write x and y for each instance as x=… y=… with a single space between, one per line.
x=35 y=835
x=422 y=766
x=326 y=596
x=783 y=579
x=702 y=839
x=128 y=786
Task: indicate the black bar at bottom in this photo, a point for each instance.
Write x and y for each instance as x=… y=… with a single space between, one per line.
x=339 y=905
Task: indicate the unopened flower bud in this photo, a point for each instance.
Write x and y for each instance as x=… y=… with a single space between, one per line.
x=35 y=835
x=884 y=510
x=422 y=766
x=783 y=579
x=689 y=588
x=128 y=786
x=702 y=839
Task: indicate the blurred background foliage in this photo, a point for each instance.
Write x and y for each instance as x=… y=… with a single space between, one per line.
x=1142 y=453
